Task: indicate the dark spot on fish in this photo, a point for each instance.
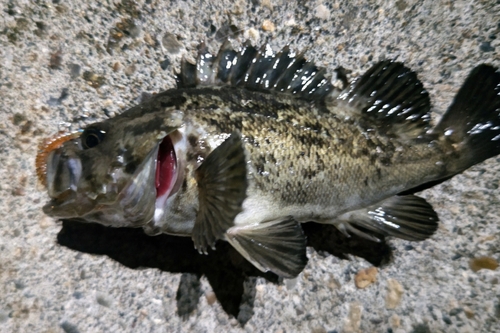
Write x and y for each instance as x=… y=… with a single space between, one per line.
x=176 y=101
x=193 y=140
x=379 y=173
x=308 y=173
x=251 y=140
x=366 y=181
x=191 y=156
x=234 y=97
x=131 y=167
x=385 y=160
x=314 y=126
x=371 y=144
x=260 y=164
x=212 y=107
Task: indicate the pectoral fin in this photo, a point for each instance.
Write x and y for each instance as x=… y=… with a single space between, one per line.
x=408 y=217
x=222 y=185
x=278 y=246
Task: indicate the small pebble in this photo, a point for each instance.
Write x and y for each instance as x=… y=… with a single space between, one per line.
x=486 y=47
x=252 y=34
x=353 y=321
x=211 y=298
x=365 y=277
x=322 y=12
x=69 y=327
x=164 y=64
x=170 y=42
x=319 y=329
x=149 y=40
x=394 y=294
x=116 y=66
x=468 y=312
x=74 y=70
x=56 y=60
x=267 y=25
x=479 y=263
x=130 y=70
x=4 y=316
x=267 y=4
x=395 y=321
x=104 y=300
x=93 y=79
x=45 y=222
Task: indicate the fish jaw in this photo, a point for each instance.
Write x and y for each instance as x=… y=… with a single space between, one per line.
x=114 y=204
x=134 y=203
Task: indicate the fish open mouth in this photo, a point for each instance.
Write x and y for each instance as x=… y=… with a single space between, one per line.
x=166 y=170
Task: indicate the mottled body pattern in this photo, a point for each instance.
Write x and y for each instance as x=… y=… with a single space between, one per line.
x=251 y=144
x=303 y=159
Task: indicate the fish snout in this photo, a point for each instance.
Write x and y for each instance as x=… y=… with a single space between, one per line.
x=63 y=173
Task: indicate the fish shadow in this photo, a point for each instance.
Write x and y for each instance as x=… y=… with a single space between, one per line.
x=232 y=278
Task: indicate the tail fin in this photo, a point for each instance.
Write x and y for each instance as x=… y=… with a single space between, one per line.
x=472 y=123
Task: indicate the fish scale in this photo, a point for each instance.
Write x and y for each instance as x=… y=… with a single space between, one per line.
x=337 y=142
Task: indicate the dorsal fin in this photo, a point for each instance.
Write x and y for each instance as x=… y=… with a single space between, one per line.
x=393 y=96
x=258 y=70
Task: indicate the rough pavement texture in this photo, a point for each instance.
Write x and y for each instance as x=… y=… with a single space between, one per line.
x=67 y=63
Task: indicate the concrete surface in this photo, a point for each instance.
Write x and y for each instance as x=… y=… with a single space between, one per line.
x=67 y=63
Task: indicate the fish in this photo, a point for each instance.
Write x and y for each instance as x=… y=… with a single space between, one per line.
x=252 y=143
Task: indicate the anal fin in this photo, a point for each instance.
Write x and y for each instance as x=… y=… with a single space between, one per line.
x=407 y=217
x=222 y=185
x=278 y=246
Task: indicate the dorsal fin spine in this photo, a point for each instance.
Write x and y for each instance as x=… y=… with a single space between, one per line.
x=258 y=70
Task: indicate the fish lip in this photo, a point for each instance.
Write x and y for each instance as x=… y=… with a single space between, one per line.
x=68 y=178
x=63 y=206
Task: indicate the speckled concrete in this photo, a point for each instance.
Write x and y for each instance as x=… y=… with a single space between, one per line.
x=52 y=51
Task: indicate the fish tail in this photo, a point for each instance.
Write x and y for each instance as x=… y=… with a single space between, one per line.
x=472 y=122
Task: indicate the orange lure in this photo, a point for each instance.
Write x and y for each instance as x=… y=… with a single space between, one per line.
x=45 y=147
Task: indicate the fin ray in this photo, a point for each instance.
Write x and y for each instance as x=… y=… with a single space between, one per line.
x=258 y=70
x=472 y=122
x=392 y=95
x=407 y=217
x=278 y=246
x=222 y=185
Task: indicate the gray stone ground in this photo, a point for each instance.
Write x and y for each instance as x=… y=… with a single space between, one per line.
x=48 y=52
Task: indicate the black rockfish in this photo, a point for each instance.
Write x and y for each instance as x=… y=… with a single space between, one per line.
x=251 y=144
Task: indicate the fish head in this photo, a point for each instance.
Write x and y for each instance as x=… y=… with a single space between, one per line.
x=109 y=173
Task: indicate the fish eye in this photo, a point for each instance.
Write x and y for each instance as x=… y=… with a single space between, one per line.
x=91 y=137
